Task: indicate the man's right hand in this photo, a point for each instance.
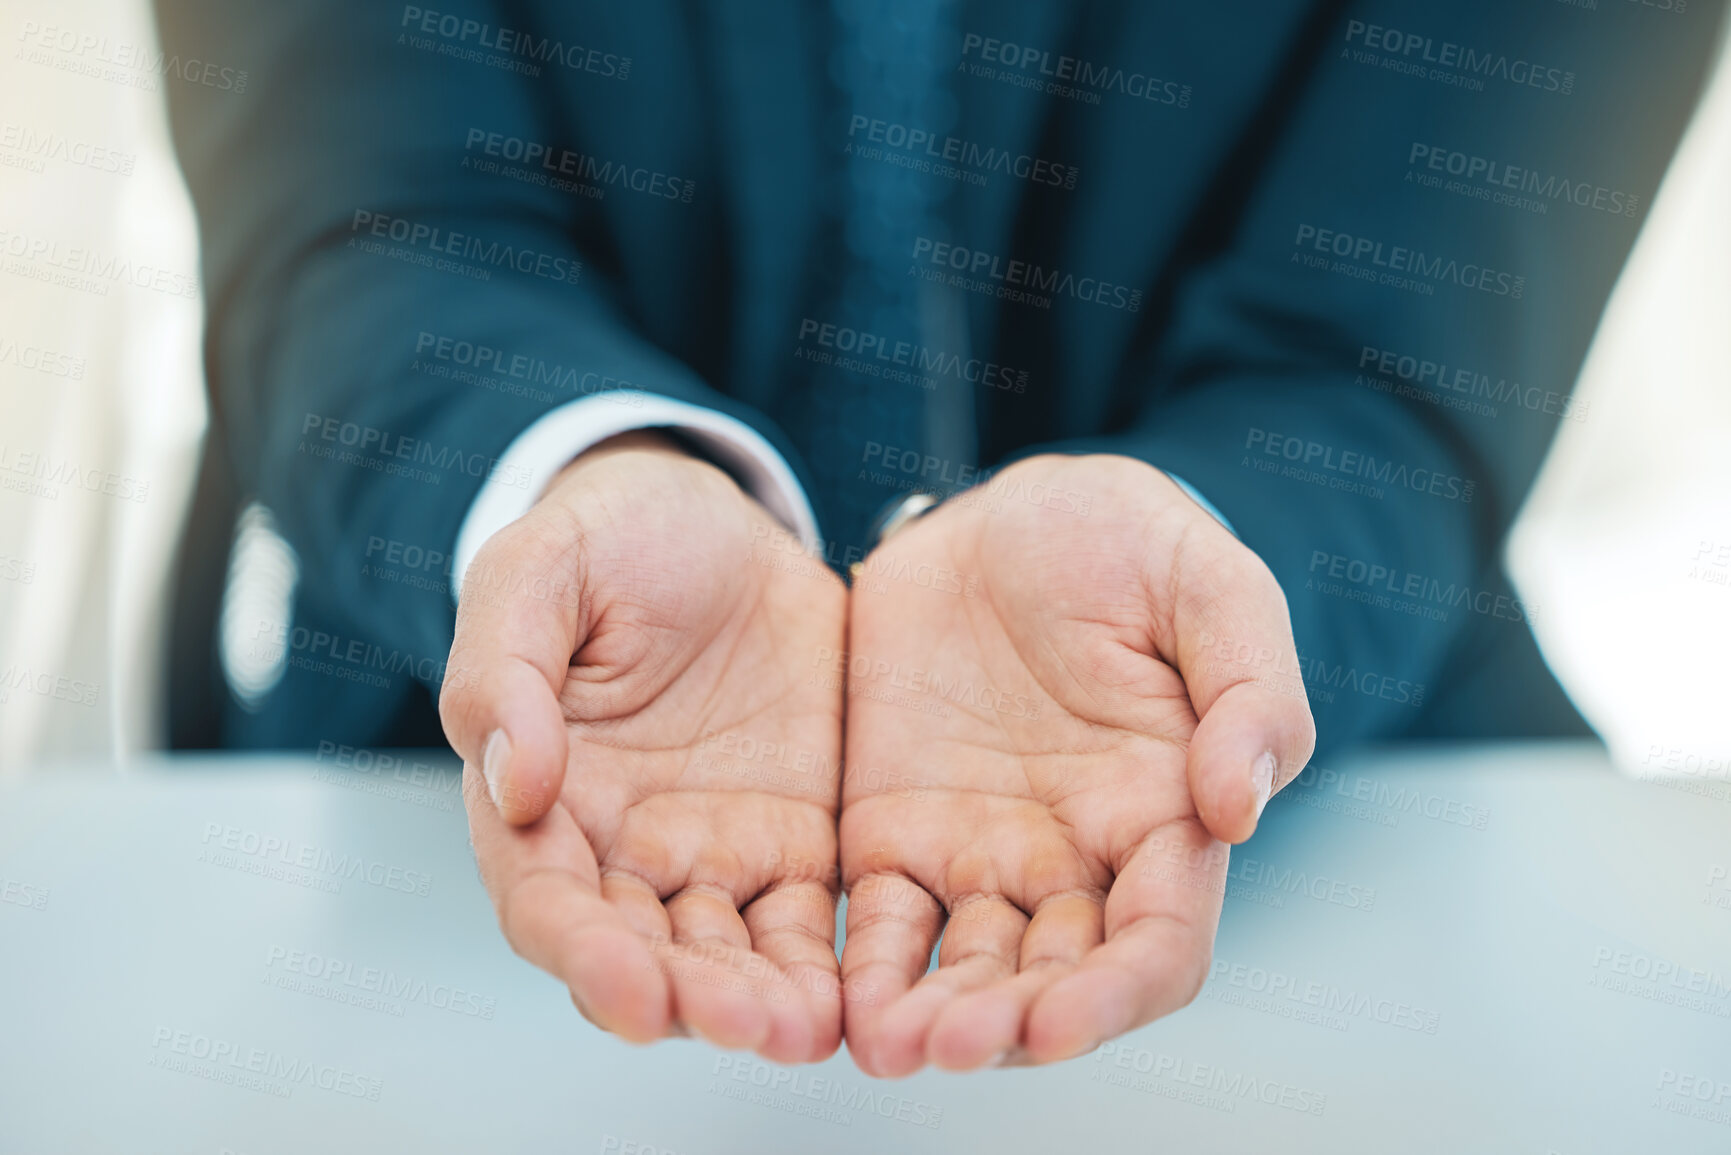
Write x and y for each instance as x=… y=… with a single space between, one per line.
x=652 y=781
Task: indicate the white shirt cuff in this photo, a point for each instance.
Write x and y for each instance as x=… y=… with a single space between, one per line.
x=559 y=435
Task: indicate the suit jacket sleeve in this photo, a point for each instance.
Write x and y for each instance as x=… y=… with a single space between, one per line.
x=399 y=280
x=1364 y=371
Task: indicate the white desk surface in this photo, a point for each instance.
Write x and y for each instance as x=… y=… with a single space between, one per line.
x=1545 y=966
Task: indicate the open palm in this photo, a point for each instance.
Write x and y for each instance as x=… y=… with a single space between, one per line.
x=663 y=837
x=1027 y=670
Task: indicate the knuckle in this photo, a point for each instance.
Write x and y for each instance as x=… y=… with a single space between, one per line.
x=461 y=686
x=549 y=536
x=1250 y=576
x=529 y=542
x=516 y=911
x=455 y=707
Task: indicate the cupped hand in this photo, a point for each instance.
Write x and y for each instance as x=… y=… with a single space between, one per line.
x=651 y=776
x=1068 y=689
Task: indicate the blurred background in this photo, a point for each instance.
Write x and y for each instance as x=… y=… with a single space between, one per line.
x=1623 y=549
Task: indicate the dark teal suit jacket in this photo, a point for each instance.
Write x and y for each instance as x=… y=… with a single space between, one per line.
x=1335 y=264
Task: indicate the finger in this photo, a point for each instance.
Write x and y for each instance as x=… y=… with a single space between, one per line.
x=719 y=991
x=984 y=1028
x=1233 y=644
x=892 y=924
x=793 y=925
x=639 y=904
x=703 y=915
x=981 y=943
x=570 y=931
x=499 y=703
x=1158 y=940
x=549 y=897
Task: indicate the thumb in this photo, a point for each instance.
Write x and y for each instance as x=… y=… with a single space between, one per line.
x=1234 y=648
x=522 y=615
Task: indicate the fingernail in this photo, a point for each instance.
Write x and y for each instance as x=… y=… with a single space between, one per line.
x=1262 y=779
x=493 y=763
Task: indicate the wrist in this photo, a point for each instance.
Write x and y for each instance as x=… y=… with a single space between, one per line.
x=646 y=462
x=644 y=440
x=616 y=451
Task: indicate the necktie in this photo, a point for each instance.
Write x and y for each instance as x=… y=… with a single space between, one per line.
x=872 y=410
